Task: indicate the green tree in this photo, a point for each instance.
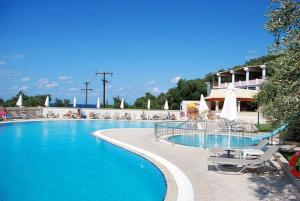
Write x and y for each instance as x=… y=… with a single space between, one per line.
x=28 y=101
x=160 y=101
x=191 y=89
x=279 y=96
x=142 y=102
x=117 y=102
x=1 y=102
x=185 y=90
x=34 y=101
x=62 y=103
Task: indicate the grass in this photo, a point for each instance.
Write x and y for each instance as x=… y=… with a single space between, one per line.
x=264 y=127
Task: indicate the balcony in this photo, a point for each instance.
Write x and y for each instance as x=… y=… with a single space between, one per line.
x=241 y=84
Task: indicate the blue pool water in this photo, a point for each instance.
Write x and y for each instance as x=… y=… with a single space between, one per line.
x=207 y=141
x=61 y=160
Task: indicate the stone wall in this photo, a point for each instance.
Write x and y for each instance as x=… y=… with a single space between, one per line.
x=135 y=113
x=31 y=112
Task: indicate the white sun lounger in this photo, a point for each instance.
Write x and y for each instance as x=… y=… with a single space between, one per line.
x=242 y=164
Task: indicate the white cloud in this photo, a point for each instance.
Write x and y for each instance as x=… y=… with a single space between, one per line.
x=73 y=89
x=64 y=77
x=2 y=62
x=25 y=79
x=7 y=74
x=5 y=59
x=248 y=57
x=154 y=90
x=23 y=88
x=252 y=51
x=18 y=56
x=151 y=82
x=252 y=54
x=121 y=89
x=43 y=82
x=175 y=80
x=94 y=94
x=51 y=85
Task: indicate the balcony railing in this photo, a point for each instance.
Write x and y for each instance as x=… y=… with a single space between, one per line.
x=239 y=84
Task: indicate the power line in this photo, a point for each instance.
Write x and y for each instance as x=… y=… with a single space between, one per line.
x=86 y=92
x=104 y=81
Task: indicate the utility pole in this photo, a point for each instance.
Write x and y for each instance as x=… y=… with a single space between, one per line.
x=86 y=89
x=104 y=81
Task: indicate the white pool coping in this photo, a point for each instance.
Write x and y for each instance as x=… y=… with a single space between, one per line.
x=185 y=191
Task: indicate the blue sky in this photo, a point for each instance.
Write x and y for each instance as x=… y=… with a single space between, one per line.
x=54 y=46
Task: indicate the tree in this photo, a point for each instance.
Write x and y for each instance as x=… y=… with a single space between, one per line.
x=142 y=102
x=117 y=102
x=34 y=101
x=62 y=103
x=185 y=90
x=28 y=101
x=1 y=102
x=279 y=96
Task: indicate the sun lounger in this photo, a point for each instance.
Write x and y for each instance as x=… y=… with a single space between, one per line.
x=260 y=145
x=51 y=114
x=155 y=117
x=23 y=115
x=107 y=116
x=220 y=151
x=127 y=116
x=242 y=164
x=116 y=115
x=92 y=115
x=100 y=116
x=273 y=133
x=162 y=117
x=143 y=116
x=68 y=114
x=172 y=117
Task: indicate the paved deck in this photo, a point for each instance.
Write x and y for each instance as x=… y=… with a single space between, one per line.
x=207 y=184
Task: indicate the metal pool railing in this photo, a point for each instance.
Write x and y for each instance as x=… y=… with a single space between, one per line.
x=238 y=128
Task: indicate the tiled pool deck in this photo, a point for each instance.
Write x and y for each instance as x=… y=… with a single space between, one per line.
x=207 y=184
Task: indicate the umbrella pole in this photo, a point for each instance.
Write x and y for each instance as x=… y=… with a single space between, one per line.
x=229 y=135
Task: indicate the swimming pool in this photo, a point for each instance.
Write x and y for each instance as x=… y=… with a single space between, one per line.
x=211 y=140
x=60 y=160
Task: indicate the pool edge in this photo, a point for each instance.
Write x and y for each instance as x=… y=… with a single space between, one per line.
x=179 y=186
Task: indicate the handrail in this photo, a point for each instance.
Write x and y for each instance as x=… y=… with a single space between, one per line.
x=270 y=134
x=165 y=129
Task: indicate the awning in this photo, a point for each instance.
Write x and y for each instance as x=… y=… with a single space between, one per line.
x=241 y=94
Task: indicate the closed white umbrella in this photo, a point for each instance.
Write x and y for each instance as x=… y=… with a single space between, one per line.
x=74 y=102
x=122 y=104
x=47 y=101
x=229 y=110
x=20 y=101
x=148 y=104
x=203 y=106
x=98 y=103
x=166 y=106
